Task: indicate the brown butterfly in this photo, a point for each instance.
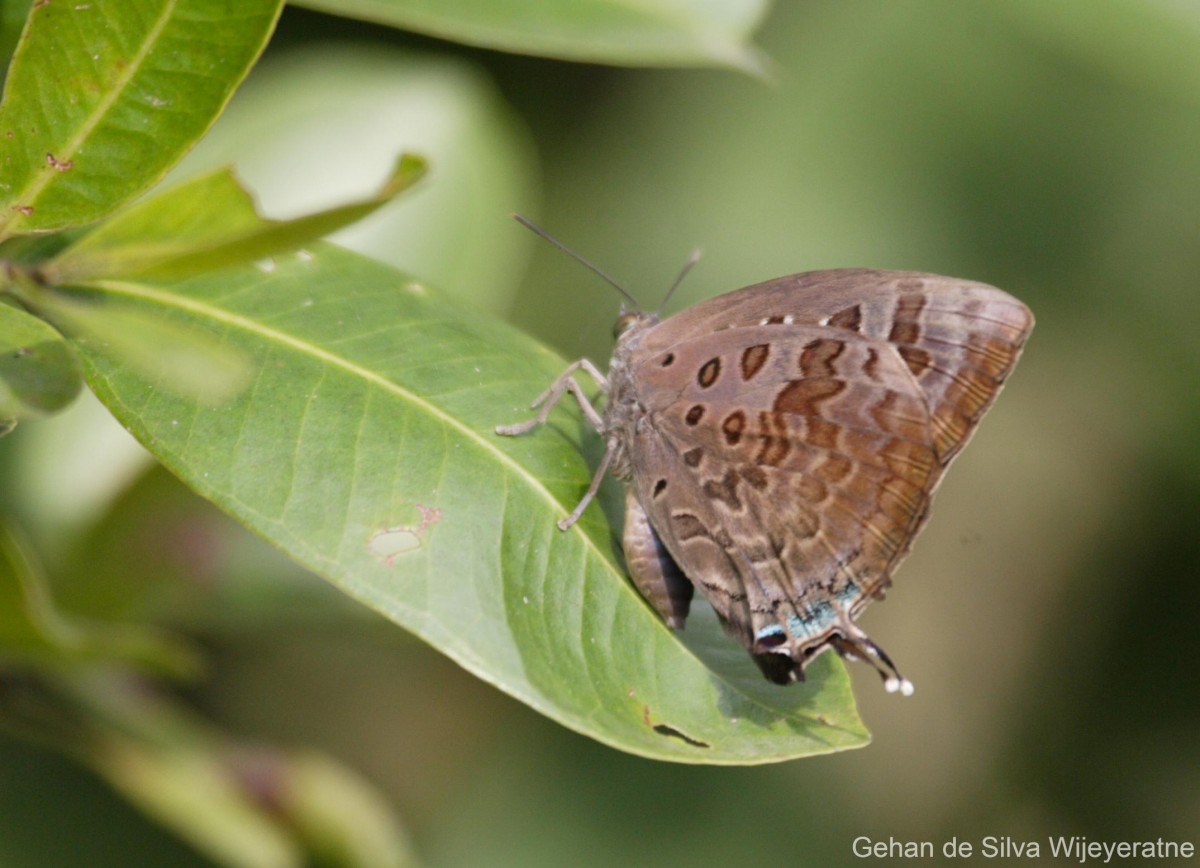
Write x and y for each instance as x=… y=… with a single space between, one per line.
x=781 y=444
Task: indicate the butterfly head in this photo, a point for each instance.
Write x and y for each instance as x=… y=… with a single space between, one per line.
x=630 y=322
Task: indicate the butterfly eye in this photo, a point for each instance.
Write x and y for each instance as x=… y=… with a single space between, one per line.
x=623 y=323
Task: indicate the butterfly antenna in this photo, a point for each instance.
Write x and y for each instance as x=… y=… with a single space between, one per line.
x=683 y=272
x=538 y=230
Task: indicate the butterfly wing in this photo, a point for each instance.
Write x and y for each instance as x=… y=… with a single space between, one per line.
x=789 y=471
x=959 y=338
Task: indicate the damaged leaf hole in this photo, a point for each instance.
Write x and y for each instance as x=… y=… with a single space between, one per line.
x=402 y=539
x=670 y=731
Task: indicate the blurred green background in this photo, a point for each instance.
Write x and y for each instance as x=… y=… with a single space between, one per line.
x=1047 y=614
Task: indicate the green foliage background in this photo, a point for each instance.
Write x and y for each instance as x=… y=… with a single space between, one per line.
x=1047 y=613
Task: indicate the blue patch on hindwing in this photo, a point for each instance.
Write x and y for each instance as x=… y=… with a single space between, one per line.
x=767 y=632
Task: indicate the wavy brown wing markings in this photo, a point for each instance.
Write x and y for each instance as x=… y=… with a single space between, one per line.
x=961 y=357
x=959 y=339
x=829 y=534
x=833 y=490
x=970 y=333
x=727 y=552
x=687 y=525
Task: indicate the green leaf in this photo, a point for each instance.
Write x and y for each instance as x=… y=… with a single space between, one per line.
x=386 y=99
x=341 y=820
x=623 y=32
x=38 y=370
x=32 y=632
x=12 y=20
x=103 y=97
x=242 y=805
x=365 y=448
x=206 y=224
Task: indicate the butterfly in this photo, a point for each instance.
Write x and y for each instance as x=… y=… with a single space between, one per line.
x=781 y=444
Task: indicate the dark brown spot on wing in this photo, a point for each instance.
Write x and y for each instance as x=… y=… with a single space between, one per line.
x=803 y=397
x=906 y=328
x=774 y=434
x=668 y=360
x=693 y=457
x=753 y=358
x=659 y=487
x=725 y=490
x=687 y=527
x=733 y=426
x=821 y=433
x=755 y=477
x=916 y=358
x=835 y=468
x=811 y=490
x=871 y=365
x=818 y=356
x=695 y=414
x=849 y=318
x=709 y=372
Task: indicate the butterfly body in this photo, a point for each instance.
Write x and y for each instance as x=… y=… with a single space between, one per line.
x=781 y=444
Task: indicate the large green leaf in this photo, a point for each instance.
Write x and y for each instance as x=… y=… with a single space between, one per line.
x=364 y=447
x=625 y=32
x=103 y=97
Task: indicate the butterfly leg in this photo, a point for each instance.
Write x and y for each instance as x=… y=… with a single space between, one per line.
x=654 y=571
x=609 y=449
x=566 y=382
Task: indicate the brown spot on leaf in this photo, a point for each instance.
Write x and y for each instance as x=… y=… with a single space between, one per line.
x=60 y=165
x=392 y=542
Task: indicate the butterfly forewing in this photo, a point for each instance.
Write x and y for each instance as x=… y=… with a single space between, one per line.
x=796 y=432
